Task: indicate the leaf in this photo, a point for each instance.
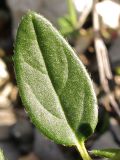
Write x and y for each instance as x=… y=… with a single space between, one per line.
x=72 y=12
x=113 y=154
x=68 y=23
x=1 y=155
x=65 y=25
x=54 y=85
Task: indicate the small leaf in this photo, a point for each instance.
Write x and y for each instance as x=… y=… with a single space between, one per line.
x=72 y=12
x=66 y=27
x=1 y=155
x=54 y=85
x=114 y=154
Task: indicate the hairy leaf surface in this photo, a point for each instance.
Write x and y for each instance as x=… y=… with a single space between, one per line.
x=54 y=85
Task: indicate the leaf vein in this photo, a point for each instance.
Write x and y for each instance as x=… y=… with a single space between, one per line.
x=74 y=135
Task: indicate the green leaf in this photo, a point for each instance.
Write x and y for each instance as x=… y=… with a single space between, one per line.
x=72 y=12
x=54 y=85
x=65 y=25
x=1 y=155
x=113 y=154
x=68 y=22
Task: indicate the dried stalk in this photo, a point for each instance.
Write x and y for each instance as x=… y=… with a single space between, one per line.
x=84 y=16
x=104 y=68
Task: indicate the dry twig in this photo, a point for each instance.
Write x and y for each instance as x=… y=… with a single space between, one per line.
x=105 y=72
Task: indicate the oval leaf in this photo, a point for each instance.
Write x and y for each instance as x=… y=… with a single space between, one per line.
x=113 y=154
x=53 y=83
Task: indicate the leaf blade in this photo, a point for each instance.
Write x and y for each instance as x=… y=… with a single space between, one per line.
x=46 y=69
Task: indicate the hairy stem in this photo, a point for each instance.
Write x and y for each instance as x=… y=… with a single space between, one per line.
x=82 y=150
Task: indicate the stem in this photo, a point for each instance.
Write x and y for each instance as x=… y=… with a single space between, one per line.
x=82 y=150
x=84 y=16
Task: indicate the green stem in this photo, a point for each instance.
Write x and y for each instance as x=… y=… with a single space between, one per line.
x=83 y=152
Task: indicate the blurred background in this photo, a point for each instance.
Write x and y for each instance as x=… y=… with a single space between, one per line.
x=92 y=28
